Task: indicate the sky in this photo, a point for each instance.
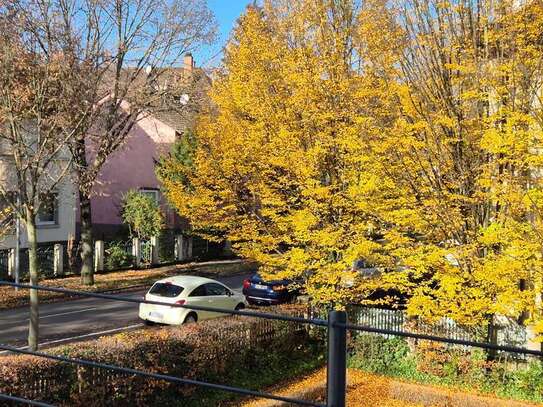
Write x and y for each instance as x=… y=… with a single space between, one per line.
x=226 y=12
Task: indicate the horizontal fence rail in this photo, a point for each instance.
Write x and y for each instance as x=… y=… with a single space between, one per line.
x=20 y=400
x=336 y=325
x=481 y=345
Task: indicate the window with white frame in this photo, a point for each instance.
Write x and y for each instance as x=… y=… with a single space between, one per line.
x=48 y=212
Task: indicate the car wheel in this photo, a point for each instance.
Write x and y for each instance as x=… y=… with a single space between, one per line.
x=191 y=318
x=240 y=306
x=146 y=322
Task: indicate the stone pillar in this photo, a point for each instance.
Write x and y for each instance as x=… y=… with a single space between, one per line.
x=155 y=248
x=227 y=250
x=58 y=260
x=11 y=263
x=189 y=248
x=179 y=248
x=136 y=252
x=531 y=335
x=531 y=342
x=99 y=256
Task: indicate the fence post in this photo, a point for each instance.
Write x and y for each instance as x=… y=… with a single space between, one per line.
x=337 y=359
x=189 y=247
x=11 y=262
x=58 y=259
x=155 y=250
x=179 y=248
x=99 y=255
x=136 y=251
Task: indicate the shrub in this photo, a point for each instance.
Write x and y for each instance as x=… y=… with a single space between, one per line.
x=117 y=257
x=377 y=354
x=142 y=215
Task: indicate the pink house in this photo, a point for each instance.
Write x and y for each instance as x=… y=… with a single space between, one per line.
x=132 y=166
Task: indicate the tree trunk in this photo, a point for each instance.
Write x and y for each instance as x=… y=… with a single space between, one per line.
x=87 y=266
x=33 y=328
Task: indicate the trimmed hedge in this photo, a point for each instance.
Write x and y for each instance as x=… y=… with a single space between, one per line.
x=228 y=350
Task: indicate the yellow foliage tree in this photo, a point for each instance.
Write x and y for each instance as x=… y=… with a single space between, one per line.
x=406 y=134
x=463 y=152
x=280 y=167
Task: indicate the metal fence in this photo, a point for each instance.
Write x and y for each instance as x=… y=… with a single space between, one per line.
x=508 y=332
x=336 y=325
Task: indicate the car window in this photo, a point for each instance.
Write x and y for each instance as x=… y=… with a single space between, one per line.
x=199 y=291
x=166 y=290
x=216 y=289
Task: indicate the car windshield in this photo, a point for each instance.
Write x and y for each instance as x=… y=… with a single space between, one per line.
x=166 y=290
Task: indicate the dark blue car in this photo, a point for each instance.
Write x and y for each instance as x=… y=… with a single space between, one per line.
x=258 y=291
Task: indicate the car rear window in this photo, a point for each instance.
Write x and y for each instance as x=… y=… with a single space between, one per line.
x=166 y=290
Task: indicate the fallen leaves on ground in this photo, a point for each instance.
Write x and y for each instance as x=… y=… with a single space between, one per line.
x=363 y=390
x=366 y=389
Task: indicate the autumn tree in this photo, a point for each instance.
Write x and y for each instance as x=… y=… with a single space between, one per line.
x=457 y=133
x=119 y=53
x=279 y=167
x=34 y=160
x=405 y=133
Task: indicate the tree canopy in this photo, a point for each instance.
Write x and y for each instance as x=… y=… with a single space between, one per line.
x=407 y=134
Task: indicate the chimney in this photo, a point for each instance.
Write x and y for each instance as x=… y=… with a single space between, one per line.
x=188 y=62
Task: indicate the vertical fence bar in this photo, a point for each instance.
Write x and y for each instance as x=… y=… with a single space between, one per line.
x=337 y=359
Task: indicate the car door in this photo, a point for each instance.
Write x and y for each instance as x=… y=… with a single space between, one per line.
x=198 y=296
x=219 y=297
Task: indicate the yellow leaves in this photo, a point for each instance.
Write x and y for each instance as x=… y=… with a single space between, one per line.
x=425 y=159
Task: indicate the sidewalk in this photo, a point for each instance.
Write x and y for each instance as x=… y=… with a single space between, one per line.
x=124 y=280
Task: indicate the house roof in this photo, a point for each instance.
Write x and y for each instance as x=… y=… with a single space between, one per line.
x=180 y=111
x=179 y=93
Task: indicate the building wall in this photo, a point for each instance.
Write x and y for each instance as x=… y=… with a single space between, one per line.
x=52 y=233
x=132 y=166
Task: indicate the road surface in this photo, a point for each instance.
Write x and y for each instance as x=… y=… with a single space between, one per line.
x=81 y=319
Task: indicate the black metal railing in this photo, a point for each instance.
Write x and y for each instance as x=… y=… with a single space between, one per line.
x=336 y=324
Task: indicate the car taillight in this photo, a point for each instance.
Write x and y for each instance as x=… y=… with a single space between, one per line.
x=180 y=302
x=246 y=283
x=279 y=287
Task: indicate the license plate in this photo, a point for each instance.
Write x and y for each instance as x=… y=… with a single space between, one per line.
x=156 y=315
x=261 y=287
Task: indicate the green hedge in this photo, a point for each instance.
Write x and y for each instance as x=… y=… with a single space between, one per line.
x=232 y=351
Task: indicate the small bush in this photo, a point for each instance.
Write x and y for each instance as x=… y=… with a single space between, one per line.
x=117 y=257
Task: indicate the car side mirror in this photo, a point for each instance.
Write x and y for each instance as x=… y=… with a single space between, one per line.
x=230 y=293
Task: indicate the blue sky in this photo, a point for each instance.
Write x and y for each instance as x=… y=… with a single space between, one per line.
x=226 y=13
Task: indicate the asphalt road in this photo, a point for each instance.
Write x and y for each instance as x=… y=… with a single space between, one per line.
x=81 y=319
